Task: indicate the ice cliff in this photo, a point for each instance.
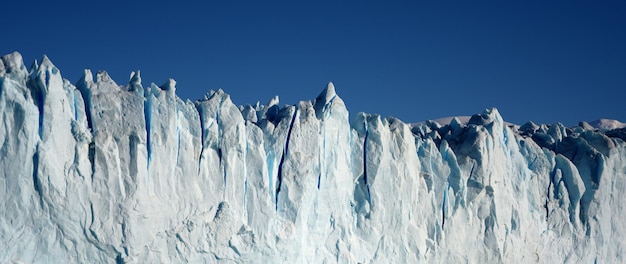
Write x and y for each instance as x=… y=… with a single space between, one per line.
x=98 y=172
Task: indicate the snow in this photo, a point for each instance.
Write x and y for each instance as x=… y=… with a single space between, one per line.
x=98 y=172
x=462 y=120
x=607 y=124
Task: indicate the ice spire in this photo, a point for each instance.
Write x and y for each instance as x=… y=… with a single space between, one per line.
x=169 y=86
x=325 y=97
x=134 y=84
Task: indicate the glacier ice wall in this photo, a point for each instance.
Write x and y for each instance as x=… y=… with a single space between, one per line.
x=98 y=172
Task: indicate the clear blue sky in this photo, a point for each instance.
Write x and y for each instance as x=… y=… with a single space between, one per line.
x=546 y=61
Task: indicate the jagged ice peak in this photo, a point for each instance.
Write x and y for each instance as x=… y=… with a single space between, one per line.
x=97 y=172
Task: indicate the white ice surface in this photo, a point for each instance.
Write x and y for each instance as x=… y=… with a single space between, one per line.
x=607 y=124
x=97 y=173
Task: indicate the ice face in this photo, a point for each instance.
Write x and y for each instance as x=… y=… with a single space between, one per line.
x=98 y=172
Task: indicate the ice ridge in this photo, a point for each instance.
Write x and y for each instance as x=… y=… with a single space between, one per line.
x=98 y=172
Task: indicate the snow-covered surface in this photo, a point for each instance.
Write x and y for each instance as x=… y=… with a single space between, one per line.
x=460 y=119
x=96 y=172
x=607 y=124
x=446 y=120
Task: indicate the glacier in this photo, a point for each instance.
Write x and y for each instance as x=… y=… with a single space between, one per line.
x=100 y=172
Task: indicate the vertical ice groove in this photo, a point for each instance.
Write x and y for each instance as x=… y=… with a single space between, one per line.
x=319 y=177
x=245 y=167
x=83 y=88
x=270 y=167
x=223 y=166
x=91 y=155
x=328 y=110
x=445 y=192
x=47 y=77
x=322 y=155
x=219 y=141
x=550 y=182
x=532 y=163
x=443 y=205
x=147 y=112
x=75 y=106
x=202 y=136
x=148 y=119
x=177 y=139
x=472 y=170
x=39 y=95
x=93 y=219
x=369 y=197
x=36 y=180
x=285 y=153
x=177 y=116
x=430 y=158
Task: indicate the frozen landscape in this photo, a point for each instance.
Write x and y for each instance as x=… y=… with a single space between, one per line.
x=96 y=172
